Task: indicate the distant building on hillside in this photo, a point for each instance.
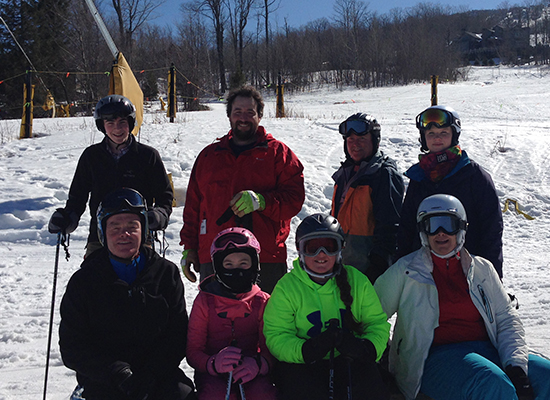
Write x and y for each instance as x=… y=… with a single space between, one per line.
x=493 y=46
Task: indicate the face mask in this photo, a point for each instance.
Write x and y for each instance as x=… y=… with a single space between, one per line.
x=237 y=280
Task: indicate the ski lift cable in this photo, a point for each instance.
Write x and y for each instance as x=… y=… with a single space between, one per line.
x=25 y=54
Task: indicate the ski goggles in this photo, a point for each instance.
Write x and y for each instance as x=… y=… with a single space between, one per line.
x=449 y=224
x=434 y=116
x=235 y=239
x=311 y=247
x=357 y=126
x=124 y=198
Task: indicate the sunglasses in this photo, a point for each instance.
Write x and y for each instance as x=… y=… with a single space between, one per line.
x=359 y=127
x=449 y=224
x=235 y=239
x=312 y=247
x=437 y=117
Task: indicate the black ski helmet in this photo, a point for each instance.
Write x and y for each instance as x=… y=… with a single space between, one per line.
x=112 y=107
x=124 y=200
x=373 y=128
x=320 y=226
x=453 y=122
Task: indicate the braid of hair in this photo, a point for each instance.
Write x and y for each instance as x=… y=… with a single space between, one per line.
x=345 y=294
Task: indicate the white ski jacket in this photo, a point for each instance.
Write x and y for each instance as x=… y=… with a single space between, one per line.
x=408 y=288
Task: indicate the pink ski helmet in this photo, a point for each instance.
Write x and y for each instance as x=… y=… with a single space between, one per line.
x=232 y=240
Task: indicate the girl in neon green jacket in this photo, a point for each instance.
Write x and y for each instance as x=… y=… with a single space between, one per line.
x=324 y=322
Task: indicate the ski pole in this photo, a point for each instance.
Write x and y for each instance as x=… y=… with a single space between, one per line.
x=228 y=391
x=241 y=389
x=52 y=310
x=350 y=396
x=333 y=324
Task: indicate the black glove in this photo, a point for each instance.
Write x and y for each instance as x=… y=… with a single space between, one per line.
x=61 y=221
x=377 y=266
x=316 y=348
x=355 y=348
x=521 y=382
x=135 y=387
x=156 y=219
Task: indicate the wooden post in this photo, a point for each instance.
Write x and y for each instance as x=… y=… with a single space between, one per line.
x=280 y=112
x=434 y=79
x=26 y=120
x=172 y=105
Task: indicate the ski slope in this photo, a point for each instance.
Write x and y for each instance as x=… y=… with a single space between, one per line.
x=505 y=116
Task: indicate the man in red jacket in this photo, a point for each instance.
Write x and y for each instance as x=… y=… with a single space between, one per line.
x=246 y=178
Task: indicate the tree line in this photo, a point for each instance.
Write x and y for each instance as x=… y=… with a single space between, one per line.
x=219 y=44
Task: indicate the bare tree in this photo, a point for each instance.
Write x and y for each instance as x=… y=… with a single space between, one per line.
x=267 y=8
x=131 y=15
x=239 y=11
x=216 y=12
x=352 y=17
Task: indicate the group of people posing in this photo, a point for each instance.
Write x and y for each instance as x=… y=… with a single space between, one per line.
x=433 y=256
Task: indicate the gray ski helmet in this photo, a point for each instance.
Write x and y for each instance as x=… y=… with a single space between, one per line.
x=442 y=205
x=440 y=116
x=371 y=126
x=124 y=200
x=320 y=226
x=112 y=107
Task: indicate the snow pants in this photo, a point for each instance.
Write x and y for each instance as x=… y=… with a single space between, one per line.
x=472 y=371
x=311 y=382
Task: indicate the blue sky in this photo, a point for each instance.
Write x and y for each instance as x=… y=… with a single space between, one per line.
x=300 y=12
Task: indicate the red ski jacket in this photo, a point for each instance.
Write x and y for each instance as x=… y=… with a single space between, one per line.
x=269 y=168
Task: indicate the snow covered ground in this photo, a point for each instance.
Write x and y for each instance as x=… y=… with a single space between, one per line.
x=506 y=128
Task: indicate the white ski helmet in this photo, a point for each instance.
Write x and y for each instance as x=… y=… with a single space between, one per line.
x=442 y=212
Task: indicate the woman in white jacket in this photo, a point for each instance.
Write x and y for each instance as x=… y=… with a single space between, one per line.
x=457 y=334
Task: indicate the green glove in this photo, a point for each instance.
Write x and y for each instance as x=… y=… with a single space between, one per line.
x=246 y=202
x=189 y=257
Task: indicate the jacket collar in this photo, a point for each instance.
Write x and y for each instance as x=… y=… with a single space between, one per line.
x=262 y=137
x=369 y=167
x=416 y=173
x=421 y=266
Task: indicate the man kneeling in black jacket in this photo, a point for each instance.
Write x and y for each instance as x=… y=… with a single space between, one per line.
x=123 y=316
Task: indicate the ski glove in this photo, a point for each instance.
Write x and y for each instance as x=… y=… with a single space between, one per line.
x=521 y=382
x=156 y=219
x=62 y=221
x=246 y=202
x=246 y=371
x=227 y=359
x=316 y=348
x=133 y=386
x=355 y=348
x=190 y=257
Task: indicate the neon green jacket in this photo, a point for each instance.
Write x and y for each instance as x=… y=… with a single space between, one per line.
x=300 y=309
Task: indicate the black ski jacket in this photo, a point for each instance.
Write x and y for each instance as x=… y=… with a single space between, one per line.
x=107 y=324
x=99 y=173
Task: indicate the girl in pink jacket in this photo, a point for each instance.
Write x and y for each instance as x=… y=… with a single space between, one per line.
x=225 y=343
